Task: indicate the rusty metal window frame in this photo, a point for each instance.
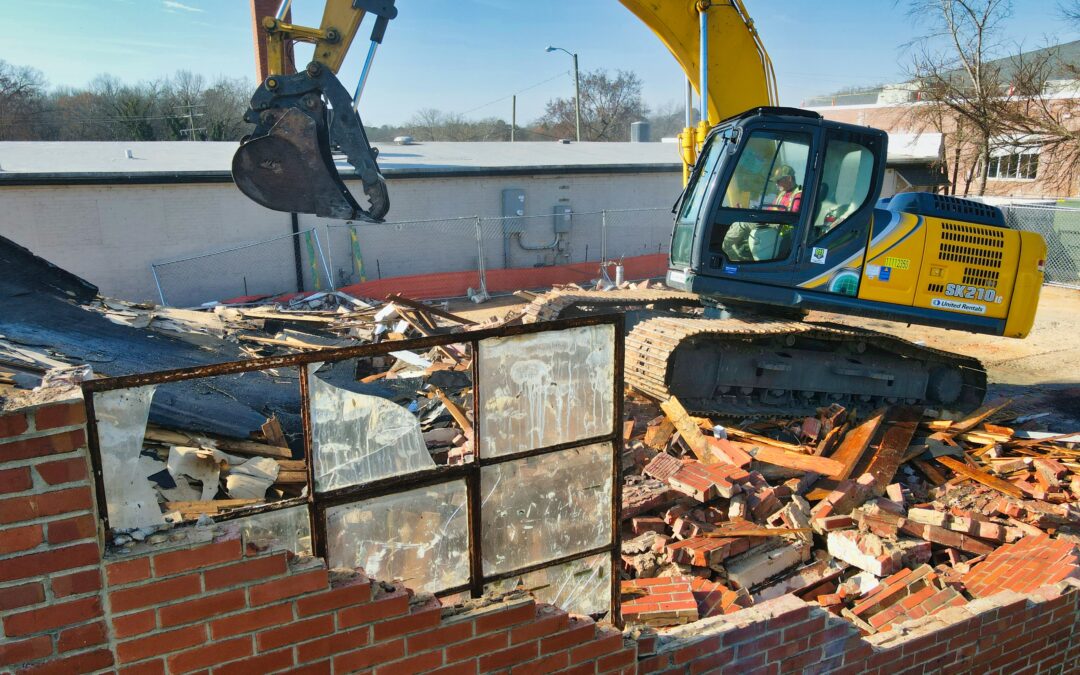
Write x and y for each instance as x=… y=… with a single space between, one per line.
x=470 y=472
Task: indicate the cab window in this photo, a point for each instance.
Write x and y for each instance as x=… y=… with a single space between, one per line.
x=770 y=172
x=846 y=178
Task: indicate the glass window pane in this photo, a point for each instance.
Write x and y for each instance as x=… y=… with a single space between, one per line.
x=770 y=173
x=580 y=587
x=546 y=507
x=357 y=438
x=420 y=537
x=546 y=388
x=757 y=242
x=846 y=178
x=700 y=181
x=285 y=529
x=121 y=425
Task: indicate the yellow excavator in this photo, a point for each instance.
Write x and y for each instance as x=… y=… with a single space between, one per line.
x=780 y=215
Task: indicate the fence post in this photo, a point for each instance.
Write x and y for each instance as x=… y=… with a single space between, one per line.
x=603 y=236
x=481 y=269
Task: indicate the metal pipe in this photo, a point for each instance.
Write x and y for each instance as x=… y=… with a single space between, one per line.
x=703 y=21
x=364 y=74
x=689 y=103
x=283 y=9
x=298 y=255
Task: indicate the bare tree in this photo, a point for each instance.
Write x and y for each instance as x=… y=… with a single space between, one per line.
x=430 y=124
x=953 y=66
x=608 y=106
x=22 y=99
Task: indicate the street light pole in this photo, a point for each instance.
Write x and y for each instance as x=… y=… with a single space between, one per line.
x=577 y=89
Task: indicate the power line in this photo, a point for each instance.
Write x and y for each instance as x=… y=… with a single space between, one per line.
x=515 y=93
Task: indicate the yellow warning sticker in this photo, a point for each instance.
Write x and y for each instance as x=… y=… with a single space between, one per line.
x=898 y=263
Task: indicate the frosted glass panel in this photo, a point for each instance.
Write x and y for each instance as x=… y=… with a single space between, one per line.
x=285 y=529
x=546 y=388
x=581 y=587
x=358 y=438
x=420 y=537
x=121 y=422
x=546 y=507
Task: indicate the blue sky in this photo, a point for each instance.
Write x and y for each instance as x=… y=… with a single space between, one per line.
x=468 y=56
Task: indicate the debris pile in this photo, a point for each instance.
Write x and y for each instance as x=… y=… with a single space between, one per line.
x=882 y=517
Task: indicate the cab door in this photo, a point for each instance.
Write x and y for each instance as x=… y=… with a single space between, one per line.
x=829 y=255
x=761 y=204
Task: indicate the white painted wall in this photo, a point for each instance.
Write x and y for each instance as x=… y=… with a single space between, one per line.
x=111 y=234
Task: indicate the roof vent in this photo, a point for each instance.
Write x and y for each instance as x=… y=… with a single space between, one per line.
x=128 y=154
x=564 y=141
x=403 y=140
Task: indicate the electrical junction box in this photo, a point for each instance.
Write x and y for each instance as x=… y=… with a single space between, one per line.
x=563 y=215
x=513 y=210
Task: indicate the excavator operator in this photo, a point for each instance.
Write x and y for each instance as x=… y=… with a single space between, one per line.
x=790 y=197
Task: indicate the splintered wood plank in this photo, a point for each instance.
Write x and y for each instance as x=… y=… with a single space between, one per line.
x=854 y=445
x=900 y=425
x=793 y=460
x=457 y=413
x=932 y=474
x=658 y=435
x=688 y=430
x=826 y=444
x=976 y=418
x=271 y=430
x=755 y=438
x=755 y=532
x=979 y=476
x=409 y=302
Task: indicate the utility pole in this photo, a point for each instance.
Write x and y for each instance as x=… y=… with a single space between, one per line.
x=577 y=98
x=191 y=115
x=513 y=116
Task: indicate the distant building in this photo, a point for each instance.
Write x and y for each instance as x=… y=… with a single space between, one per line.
x=1019 y=167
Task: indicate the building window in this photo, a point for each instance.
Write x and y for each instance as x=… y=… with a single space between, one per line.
x=1012 y=165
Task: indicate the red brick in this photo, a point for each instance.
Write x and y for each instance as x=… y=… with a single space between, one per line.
x=154 y=593
x=421 y=663
x=369 y=656
x=317 y=668
x=543 y=666
x=52 y=616
x=130 y=625
x=81 y=637
x=14 y=597
x=578 y=631
x=293 y=633
x=63 y=471
x=60 y=415
x=507 y=657
x=463 y=668
x=389 y=605
x=160 y=643
x=77 y=583
x=72 y=529
x=201 y=608
x=338 y=642
x=478 y=646
x=295 y=584
x=506 y=618
x=617 y=660
x=87 y=662
x=43 y=446
x=439 y=637
x=127 y=571
x=596 y=648
x=13 y=424
x=208 y=655
x=547 y=622
x=356 y=593
x=263 y=663
x=18 y=509
x=15 y=539
x=174 y=562
x=257 y=568
x=12 y=652
x=414 y=622
x=155 y=667
x=15 y=480
x=251 y=621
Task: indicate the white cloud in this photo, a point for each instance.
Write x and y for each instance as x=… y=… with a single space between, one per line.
x=173 y=5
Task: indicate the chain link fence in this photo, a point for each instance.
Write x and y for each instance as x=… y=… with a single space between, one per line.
x=285 y=264
x=1060 y=227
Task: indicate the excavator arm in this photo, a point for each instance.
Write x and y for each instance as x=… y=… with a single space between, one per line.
x=286 y=163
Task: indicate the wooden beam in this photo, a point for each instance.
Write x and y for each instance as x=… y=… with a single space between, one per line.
x=976 y=418
x=409 y=302
x=793 y=460
x=156 y=434
x=688 y=430
x=900 y=425
x=979 y=476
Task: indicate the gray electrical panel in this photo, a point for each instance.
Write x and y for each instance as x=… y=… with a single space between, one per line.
x=513 y=207
x=563 y=216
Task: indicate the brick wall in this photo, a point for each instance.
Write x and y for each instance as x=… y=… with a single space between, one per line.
x=197 y=601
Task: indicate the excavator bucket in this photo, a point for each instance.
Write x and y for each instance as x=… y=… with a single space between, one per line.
x=286 y=164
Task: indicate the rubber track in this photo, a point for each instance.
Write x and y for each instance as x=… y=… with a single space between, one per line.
x=651 y=344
